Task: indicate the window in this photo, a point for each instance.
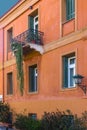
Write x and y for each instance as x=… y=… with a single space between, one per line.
x=10 y=83
x=33 y=34
x=33 y=20
x=1 y=98
x=33 y=78
x=68 y=10
x=68 y=70
x=32 y=115
x=9 y=38
x=69 y=117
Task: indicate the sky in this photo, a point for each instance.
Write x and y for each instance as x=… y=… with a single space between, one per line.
x=5 y=5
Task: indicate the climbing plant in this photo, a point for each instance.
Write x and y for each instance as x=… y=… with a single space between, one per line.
x=18 y=52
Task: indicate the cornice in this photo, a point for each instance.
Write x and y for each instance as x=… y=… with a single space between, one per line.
x=76 y=36
x=20 y=8
x=8 y=63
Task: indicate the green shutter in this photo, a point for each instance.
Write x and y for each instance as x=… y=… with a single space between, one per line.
x=73 y=8
x=31 y=79
x=70 y=9
x=67 y=9
x=65 y=72
x=31 y=22
x=32 y=85
x=30 y=36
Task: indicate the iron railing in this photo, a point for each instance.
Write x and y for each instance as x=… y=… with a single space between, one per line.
x=30 y=36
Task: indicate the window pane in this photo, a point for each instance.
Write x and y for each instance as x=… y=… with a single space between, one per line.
x=72 y=61
x=71 y=77
x=36 y=27
x=33 y=116
x=71 y=71
x=70 y=9
x=35 y=78
x=36 y=19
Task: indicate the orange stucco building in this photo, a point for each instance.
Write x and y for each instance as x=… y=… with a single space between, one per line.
x=54 y=49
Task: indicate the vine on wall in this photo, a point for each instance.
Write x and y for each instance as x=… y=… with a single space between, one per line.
x=18 y=52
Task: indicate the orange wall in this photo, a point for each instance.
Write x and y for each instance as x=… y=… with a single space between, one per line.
x=50 y=20
x=1 y=45
x=50 y=94
x=1 y=61
x=81 y=13
x=77 y=106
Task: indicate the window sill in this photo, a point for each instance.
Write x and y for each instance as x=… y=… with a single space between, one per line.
x=68 y=89
x=9 y=95
x=32 y=93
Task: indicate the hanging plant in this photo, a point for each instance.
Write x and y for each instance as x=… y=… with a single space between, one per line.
x=18 y=52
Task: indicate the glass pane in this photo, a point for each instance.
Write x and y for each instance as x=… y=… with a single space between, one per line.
x=70 y=9
x=35 y=79
x=72 y=61
x=36 y=19
x=36 y=27
x=71 y=77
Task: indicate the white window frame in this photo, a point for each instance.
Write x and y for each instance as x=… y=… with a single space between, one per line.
x=71 y=66
x=35 y=78
x=35 y=23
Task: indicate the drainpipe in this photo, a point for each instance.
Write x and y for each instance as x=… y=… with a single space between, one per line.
x=3 y=64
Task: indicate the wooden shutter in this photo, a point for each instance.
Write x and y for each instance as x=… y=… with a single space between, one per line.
x=31 y=79
x=31 y=22
x=73 y=8
x=70 y=9
x=65 y=72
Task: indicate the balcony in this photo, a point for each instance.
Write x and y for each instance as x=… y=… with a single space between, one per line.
x=31 y=40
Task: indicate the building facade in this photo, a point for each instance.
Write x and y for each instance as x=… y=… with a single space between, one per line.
x=53 y=35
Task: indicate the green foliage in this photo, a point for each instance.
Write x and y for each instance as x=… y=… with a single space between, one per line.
x=62 y=121
x=4 y=113
x=23 y=122
x=17 y=49
x=53 y=121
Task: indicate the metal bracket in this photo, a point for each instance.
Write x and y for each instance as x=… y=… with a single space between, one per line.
x=83 y=87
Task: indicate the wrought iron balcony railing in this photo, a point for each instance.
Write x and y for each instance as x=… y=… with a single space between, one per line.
x=30 y=36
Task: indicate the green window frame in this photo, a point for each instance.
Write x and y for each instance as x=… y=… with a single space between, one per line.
x=70 y=9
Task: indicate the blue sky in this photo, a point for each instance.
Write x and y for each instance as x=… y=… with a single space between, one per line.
x=5 y=5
